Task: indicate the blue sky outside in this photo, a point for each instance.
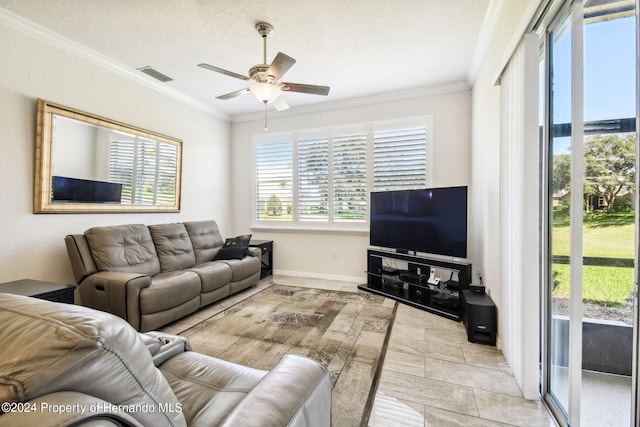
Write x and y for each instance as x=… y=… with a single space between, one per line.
x=609 y=74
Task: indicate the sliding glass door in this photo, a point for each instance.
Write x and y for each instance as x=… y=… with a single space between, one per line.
x=559 y=58
x=591 y=213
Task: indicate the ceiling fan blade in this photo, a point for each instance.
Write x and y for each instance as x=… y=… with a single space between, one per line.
x=222 y=71
x=302 y=88
x=233 y=94
x=280 y=104
x=280 y=65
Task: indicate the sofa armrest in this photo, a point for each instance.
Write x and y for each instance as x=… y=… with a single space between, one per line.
x=80 y=256
x=256 y=252
x=67 y=408
x=295 y=393
x=116 y=293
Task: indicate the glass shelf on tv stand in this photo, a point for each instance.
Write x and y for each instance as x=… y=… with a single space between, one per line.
x=429 y=295
x=428 y=284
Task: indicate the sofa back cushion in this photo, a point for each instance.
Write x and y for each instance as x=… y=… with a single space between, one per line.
x=205 y=238
x=128 y=248
x=49 y=347
x=173 y=246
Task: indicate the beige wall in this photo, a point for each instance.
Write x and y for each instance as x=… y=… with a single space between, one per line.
x=518 y=337
x=485 y=154
x=32 y=246
x=312 y=253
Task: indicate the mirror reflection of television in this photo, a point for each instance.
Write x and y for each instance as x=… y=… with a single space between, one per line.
x=77 y=190
x=430 y=220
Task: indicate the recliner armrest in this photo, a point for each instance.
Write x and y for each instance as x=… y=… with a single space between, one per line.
x=295 y=393
x=115 y=292
x=80 y=256
x=164 y=346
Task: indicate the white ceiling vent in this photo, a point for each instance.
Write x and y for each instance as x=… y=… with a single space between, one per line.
x=155 y=74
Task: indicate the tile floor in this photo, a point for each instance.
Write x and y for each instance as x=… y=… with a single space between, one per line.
x=431 y=376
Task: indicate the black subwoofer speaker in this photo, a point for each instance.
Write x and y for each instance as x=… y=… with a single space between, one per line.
x=480 y=318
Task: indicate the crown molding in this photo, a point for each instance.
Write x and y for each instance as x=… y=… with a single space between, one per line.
x=520 y=29
x=486 y=31
x=359 y=102
x=52 y=38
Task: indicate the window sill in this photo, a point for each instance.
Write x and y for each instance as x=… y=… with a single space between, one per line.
x=334 y=229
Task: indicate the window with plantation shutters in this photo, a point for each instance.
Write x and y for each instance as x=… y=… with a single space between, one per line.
x=138 y=164
x=322 y=178
x=399 y=159
x=122 y=153
x=274 y=181
x=145 y=172
x=167 y=165
x=313 y=179
x=350 y=177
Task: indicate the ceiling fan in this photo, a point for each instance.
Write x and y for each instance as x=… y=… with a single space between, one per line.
x=266 y=85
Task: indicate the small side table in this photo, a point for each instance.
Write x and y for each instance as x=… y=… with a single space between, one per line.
x=50 y=291
x=266 y=247
x=480 y=318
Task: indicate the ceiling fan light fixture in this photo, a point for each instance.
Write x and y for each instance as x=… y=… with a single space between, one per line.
x=265 y=92
x=265 y=78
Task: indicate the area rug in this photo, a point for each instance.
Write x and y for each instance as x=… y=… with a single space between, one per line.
x=345 y=331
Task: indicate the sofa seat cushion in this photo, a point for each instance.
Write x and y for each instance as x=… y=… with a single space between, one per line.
x=213 y=275
x=128 y=248
x=168 y=290
x=208 y=388
x=205 y=238
x=243 y=268
x=173 y=246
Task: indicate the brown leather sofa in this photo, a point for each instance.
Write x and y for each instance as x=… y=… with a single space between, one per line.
x=153 y=275
x=68 y=365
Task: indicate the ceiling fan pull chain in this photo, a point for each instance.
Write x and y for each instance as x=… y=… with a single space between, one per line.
x=265 y=115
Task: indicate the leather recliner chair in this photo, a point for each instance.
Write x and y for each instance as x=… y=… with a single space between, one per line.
x=62 y=364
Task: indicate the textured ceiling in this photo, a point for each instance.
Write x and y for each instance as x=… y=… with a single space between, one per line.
x=358 y=47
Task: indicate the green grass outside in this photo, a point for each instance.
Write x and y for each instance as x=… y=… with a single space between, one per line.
x=603 y=285
x=604 y=235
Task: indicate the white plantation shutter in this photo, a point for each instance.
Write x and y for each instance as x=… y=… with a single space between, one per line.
x=399 y=159
x=313 y=179
x=350 y=178
x=146 y=169
x=121 y=160
x=167 y=165
x=138 y=164
x=323 y=176
x=274 y=181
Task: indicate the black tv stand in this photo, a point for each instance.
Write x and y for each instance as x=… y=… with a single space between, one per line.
x=408 y=278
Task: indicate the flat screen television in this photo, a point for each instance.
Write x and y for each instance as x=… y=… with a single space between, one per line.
x=430 y=220
x=77 y=190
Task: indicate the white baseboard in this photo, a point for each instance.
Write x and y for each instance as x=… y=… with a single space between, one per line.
x=309 y=275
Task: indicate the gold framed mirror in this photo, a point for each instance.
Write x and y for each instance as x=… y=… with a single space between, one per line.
x=87 y=163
